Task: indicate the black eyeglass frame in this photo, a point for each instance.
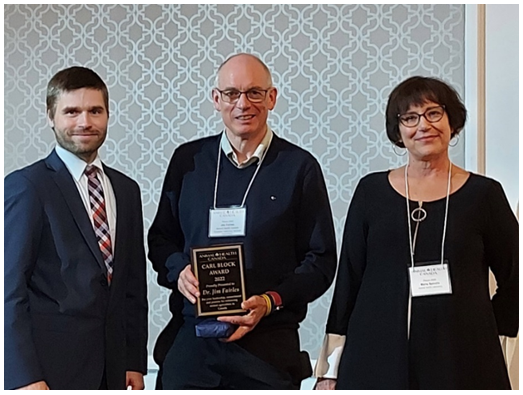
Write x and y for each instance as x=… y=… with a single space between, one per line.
x=422 y=115
x=244 y=92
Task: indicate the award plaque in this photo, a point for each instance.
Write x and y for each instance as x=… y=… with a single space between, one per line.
x=219 y=271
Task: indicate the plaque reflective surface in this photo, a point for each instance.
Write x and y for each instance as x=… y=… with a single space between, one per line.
x=219 y=271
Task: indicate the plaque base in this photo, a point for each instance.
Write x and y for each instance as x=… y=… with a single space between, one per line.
x=214 y=328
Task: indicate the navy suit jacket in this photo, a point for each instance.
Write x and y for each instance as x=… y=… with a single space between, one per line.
x=62 y=322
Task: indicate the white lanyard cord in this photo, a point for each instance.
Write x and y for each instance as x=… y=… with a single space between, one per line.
x=413 y=246
x=258 y=166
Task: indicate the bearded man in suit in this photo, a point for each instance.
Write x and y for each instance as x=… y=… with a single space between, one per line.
x=75 y=295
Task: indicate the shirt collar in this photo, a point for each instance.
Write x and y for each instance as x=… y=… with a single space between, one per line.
x=74 y=164
x=258 y=152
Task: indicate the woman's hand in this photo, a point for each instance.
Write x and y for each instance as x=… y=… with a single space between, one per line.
x=325 y=384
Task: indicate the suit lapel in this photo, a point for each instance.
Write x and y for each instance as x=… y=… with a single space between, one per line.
x=67 y=187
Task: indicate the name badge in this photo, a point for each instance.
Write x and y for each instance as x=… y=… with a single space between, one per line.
x=227 y=222
x=430 y=280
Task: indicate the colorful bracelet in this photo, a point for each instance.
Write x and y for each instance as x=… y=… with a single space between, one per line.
x=269 y=304
x=276 y=300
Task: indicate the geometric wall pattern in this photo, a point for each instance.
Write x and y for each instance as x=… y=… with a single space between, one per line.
x=334 y=66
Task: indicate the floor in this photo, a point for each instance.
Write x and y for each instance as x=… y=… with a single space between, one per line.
x=150 y=378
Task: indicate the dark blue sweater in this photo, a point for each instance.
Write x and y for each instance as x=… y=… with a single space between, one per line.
x=289 y=245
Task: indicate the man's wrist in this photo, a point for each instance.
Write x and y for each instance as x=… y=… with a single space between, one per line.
x=276 y=300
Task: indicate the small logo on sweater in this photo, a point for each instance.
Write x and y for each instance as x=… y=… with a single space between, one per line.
x=273 y=197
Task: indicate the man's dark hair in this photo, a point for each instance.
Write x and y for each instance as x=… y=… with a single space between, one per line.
x=70 y=79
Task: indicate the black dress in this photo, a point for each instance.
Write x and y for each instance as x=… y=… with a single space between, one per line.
x=454 y=340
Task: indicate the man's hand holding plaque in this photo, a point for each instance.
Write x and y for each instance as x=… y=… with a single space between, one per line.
x=188 y=284
x=257 y=308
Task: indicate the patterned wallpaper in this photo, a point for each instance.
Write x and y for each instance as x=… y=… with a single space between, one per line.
x=334 y=66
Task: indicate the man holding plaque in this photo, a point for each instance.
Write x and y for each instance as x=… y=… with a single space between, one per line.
x=244 y=235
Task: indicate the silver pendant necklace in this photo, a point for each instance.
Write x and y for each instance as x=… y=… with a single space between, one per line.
x=419 y=213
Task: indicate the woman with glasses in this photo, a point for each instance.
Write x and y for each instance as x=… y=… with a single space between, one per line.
x=411 y=307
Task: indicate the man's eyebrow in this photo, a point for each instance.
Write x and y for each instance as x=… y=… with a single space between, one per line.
x=96 y=108
x=232 y=88
x=69 y=108
x=76 y=108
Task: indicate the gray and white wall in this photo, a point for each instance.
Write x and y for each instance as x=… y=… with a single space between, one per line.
x=334 y=66
x=492 y=143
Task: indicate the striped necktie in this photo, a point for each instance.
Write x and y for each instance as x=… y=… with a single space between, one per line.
x=101 y=225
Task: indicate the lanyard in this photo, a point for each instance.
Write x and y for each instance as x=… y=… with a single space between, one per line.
x=412 y=244
x=258 y=166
